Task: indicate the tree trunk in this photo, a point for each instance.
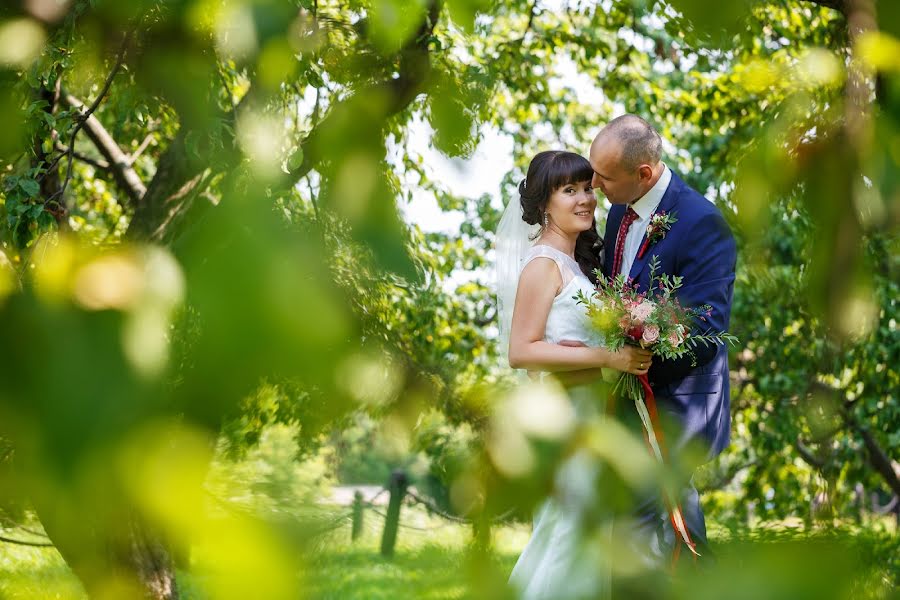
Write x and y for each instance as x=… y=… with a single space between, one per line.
x=103 y=550
x=152 y=562
x=170 y=197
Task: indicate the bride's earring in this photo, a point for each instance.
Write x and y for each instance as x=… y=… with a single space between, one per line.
x=545 y=220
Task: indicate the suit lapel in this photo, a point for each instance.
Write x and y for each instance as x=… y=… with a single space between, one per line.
x=667 y=204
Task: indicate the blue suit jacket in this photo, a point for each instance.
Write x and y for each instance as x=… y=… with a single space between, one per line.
x=701 y=248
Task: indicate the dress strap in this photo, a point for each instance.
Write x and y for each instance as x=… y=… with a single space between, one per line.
x=563 y=262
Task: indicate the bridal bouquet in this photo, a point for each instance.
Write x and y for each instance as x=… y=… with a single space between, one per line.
x=656 y=321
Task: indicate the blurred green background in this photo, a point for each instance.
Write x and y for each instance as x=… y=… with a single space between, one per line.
x=219 y=319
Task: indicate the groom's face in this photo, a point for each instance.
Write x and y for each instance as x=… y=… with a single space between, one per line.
x=619 y=185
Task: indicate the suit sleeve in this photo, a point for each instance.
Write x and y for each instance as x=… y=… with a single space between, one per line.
x=707 y=263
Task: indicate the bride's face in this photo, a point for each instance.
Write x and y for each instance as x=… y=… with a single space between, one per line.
x=571 y=207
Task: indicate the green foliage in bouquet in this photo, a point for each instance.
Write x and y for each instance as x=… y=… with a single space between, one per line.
x=655 y=320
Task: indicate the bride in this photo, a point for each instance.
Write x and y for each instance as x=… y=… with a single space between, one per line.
x=547 y=252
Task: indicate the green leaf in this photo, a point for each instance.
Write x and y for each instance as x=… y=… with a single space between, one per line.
x=296 y=158
x=314 y=76
x=463 y=12
x=889 y=16
x=394 y=22
x=45 y=220
x=30 y=187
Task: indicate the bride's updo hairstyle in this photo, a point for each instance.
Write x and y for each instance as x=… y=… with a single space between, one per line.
x=549 y=171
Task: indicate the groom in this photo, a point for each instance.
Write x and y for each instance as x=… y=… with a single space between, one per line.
x=699 y=246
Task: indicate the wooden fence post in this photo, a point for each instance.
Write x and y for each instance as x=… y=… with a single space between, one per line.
x=356 y=529
x=481 y=531
x=397 y=487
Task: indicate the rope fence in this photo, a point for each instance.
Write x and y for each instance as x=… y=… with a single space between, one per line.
x=397 y=488
x=400 y=494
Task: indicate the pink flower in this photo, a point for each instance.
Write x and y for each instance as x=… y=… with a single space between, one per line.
x=642 y=311
x=651 y=334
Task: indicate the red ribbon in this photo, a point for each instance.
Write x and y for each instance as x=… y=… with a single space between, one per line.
x=675 y=512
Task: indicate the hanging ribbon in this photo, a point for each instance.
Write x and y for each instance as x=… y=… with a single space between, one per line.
x=653 y=435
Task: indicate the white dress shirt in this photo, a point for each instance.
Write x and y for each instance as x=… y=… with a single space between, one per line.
x=644 y=207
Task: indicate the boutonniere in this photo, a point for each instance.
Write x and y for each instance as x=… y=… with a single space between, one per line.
x=659 y=225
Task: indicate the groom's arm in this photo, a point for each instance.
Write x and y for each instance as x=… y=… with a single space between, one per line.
x=707 y=265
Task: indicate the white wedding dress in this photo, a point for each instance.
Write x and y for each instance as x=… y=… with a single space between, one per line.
x=558 y=563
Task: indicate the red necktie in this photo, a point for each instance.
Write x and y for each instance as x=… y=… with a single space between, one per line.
x=627 y=220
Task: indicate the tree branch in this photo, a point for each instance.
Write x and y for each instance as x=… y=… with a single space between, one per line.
x=81 y=119
x=838 y=5
x=182 y=203
x=228 y=91
x=316 y=108
x=99 y=164
x=807 y=455
x=877 y=457
x=119 y=162
x=312 y=197
x=168 y=202
x=532 y=13
x=415 y=67
x=140 y=149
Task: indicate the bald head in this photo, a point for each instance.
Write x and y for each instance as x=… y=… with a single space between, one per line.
x=625 y=157
x=636 y=141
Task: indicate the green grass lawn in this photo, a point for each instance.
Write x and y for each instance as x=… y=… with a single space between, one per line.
x=429 y=563
x=432 y=561
x=38 y=573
